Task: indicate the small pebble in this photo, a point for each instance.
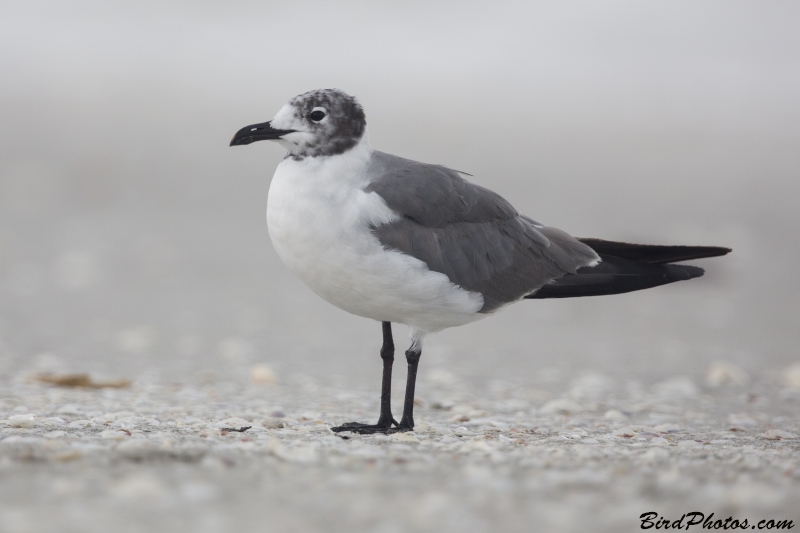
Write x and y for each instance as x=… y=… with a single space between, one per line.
x=234 y=423
x=724 y=373
x=615 y=414
x=273 y=423
x=126 y=423
x=667 y=428
x=791 y=376
x=561 y=405
x=22 y=421
x=263 y=374
x=135 y=448
x=777 y=434
x=189 y=421
x=632 y=431
x=68 y=455
x=405 y=437
x=113 y=435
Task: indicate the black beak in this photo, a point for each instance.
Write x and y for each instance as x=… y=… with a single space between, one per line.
x=257 y=132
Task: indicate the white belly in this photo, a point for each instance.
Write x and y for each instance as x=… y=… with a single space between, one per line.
x=319 y=218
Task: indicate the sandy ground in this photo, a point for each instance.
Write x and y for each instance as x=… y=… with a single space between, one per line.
x=582 y=453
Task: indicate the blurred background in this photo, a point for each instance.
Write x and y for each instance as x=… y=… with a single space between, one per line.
x=133 y=240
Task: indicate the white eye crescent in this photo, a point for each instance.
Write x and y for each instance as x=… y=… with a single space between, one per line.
x=317 y=114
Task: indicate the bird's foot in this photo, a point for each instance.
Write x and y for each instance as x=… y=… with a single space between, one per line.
x=406 y=424
x=365 y=429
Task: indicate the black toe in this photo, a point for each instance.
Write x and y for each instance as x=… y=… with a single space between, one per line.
x=363 y=429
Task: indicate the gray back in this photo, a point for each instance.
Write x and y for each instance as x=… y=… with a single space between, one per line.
x=469 y=233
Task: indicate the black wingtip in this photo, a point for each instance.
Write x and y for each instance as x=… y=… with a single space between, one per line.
x=684 y=272
x=653 y=253
x=616 y=276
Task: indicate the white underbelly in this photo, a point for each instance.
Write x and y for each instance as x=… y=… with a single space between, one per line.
x=322 y=234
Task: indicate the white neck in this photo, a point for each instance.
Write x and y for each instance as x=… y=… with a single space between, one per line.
x=347 y=168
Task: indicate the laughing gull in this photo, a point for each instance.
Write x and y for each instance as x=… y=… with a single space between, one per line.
x=396 y=240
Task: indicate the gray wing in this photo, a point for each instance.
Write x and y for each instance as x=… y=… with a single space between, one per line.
x=469 y=233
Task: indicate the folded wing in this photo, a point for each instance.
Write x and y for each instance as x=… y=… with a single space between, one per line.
x=469 y=233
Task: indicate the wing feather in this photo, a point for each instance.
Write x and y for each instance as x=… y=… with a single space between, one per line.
x=469 y=233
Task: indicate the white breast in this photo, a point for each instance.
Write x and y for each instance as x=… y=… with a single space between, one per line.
x=319 y=221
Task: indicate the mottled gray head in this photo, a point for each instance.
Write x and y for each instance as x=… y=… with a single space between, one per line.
x=317 y=123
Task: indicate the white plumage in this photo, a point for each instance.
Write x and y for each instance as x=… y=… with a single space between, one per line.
x=319 y=219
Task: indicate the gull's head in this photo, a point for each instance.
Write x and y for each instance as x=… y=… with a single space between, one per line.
x=317 y=123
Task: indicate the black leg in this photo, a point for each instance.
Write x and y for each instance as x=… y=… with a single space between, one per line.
x=385 y=420
x=407 y=422
x=387 y=354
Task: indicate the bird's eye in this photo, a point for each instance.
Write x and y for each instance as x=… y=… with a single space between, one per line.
x=316 y=115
